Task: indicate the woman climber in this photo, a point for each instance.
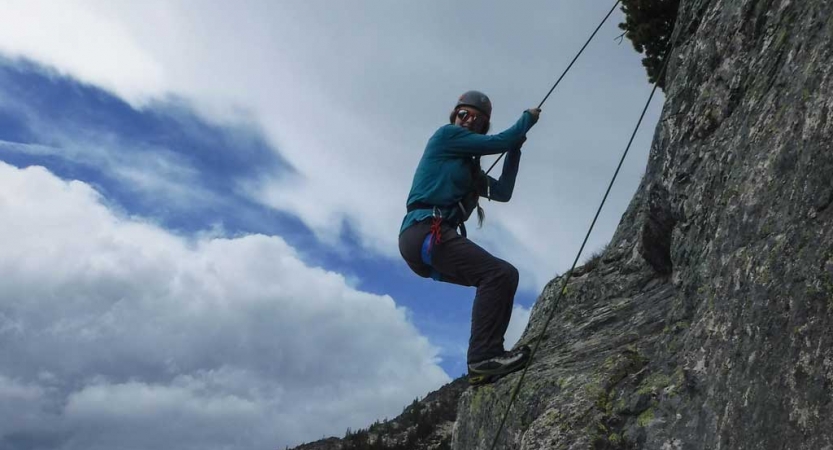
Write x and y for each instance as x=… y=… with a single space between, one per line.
x=446 y=188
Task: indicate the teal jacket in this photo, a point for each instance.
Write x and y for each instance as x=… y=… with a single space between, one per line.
x=444 y=176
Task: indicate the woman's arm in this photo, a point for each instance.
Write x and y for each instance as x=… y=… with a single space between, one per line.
x=462 y=142
x=500 y=190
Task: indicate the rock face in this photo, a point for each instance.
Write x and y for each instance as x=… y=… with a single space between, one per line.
x=707 y=323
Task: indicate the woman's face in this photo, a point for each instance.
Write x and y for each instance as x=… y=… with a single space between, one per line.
x=470 y=119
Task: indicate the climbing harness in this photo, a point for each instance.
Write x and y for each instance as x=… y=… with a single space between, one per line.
x=569 y=273
x=438 y=218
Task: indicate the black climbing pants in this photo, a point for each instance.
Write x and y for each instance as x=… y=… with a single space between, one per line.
x=461 y=261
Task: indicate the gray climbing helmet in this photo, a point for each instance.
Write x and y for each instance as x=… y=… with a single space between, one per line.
x=477 y=100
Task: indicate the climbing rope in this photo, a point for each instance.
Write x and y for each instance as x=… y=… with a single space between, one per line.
x=566 y=70
x=569 y=274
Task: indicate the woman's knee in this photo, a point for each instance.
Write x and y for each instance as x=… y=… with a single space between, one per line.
x=512 y=274
x=507 y=274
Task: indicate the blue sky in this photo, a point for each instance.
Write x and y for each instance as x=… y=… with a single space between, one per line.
x=216 y=158
x=204 y=204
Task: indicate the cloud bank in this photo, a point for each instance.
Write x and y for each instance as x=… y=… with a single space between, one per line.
x=119 y=333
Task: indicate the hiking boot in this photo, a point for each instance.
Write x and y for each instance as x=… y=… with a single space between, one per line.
x=490 y=370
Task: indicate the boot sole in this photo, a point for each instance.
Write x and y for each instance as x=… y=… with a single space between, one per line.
x=479 y=380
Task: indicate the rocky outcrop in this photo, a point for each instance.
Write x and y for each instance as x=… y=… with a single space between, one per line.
x=707 y=323
x=425 y=424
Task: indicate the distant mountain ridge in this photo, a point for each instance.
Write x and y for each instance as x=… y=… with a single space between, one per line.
x=425 y=424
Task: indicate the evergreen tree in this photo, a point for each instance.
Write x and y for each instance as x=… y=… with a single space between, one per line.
x=648 y=25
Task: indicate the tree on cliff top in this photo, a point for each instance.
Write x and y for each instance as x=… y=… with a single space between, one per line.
x=648 y=25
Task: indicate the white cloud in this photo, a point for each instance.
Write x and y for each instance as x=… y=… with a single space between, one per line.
x=118 y=332
x=350 y=93
x=13 y=390
x=76 y=39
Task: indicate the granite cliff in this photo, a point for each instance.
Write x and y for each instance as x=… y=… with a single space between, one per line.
x=707 y=322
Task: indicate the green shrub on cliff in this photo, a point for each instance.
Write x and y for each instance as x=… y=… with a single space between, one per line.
x=649 y=24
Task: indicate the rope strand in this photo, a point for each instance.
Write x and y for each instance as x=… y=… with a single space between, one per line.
x=566 y=70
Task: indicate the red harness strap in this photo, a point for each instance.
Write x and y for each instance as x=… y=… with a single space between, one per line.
x=436 y=232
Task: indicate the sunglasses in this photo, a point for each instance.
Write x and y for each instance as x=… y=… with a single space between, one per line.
x=463 y=114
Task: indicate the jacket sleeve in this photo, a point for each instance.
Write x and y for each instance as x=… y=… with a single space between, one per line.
x=463 y=142
x=500 y=190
